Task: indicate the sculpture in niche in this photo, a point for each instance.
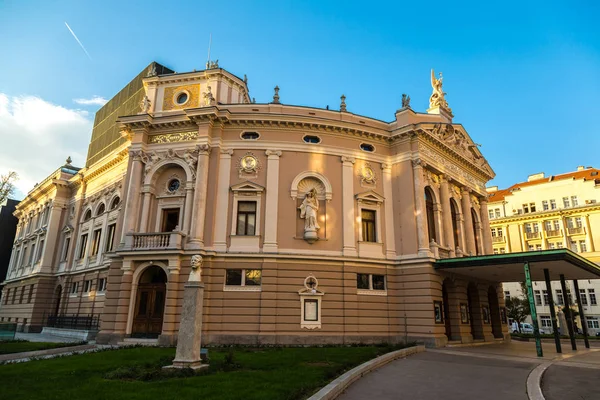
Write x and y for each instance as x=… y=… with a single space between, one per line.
x=196 y=273
x=309 y=212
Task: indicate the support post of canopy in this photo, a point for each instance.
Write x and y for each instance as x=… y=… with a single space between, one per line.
x=536 y=328
x=552 y=311
x=581 y=314
x=567 y=311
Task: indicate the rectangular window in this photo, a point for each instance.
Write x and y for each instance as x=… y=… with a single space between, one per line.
x=370 y=282
x=545 y=205
x=556 y=225
x=368 y=225
x=496 y=251
x=246 y=218
x=31 y=255
x=506 y=295
x=502 y=250
x=559 y=297
x=82 y=246
x=491 y=212
x=528 y=227
x=500 y=233
x=532 y=207
x=583 y=297
x=96 y=242
x=566 y=202
x=525 y=208
x=551 y=245
x=559 y=245
x=74 y=287
x=102 y=285
x=535 y=226
x=87 y=286
x=538 y=247
x=538 y=297
x=545 y=294
x=242 y=277
x=30 y=297
x=548 y=225
x=66 y=249
x=110 y=238
x=582 y=246
x=574 y=201
x=497 y=211
x=574 y=246
x=546 y=322
x=40 y=251
x=592 y=322
x=592 y=294
x=578 y=222
x=553 y=204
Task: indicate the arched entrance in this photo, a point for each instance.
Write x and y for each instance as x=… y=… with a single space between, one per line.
x=475 y=230
x=150 y=303
x=455 y=223
x=475 y=311
x=495 y=312
x=57 y=297
x=430 y=215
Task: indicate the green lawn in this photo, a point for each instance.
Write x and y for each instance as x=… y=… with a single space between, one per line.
x=265 y=373
x=18 y=346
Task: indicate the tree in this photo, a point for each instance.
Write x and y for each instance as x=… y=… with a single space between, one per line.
x=7 y=185
x=517 y=309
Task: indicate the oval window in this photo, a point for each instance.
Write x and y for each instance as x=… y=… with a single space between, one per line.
x=367 y=147
x=182 y=98
x=311 y=139
x=173 y=185
x=250 y=135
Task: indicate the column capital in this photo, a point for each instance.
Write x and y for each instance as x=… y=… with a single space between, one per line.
x=226 y=153
x=273 y=153
x=203 y=149
x=465 y=189
x=387 y=168
x=418 y=163
x=348 y=160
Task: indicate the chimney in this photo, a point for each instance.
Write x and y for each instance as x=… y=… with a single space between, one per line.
x=535 y=177
x=580 y=168
x=491 y=189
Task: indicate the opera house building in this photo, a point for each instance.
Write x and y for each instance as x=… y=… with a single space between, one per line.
x=313 y=226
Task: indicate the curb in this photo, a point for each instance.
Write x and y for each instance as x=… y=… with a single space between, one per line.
x=47 y=352
x=338 y=385
x=534 y=382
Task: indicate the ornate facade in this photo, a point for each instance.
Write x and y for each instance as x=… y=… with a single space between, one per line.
x=314 y=226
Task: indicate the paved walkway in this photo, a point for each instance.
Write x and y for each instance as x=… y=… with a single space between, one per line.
x=481 y=372
x=39 y=337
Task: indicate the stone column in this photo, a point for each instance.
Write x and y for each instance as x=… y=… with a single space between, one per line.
x=469 y=229
x=485 y=222
x=168 y=334
x=135 y=181
x=222 y=209
x=588 y=234
x=122 y=312
x=447 y=216
x=271 y=202
x=419 y=198
x=390 y=241
x=348 y=209
x=507 y=238
x=523 y=243
x=187 y=213
x=147 y=197
x=201 y=188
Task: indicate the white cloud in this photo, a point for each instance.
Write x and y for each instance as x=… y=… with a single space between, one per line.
x=37 y=136
x=95 y=101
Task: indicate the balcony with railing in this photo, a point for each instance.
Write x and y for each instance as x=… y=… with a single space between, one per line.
x=576 y=230
x=154 y=241
x=498 y=239
x=532 y=235
x=551 y=233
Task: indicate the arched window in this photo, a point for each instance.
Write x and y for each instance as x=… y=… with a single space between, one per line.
x=454 y=214
x=430 y=215
x=115 y=203
x=88 y=215
x=101 y=209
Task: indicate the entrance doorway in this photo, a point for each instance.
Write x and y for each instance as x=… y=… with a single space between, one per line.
x=150 y=303
x=495 y=313
x=170 y=219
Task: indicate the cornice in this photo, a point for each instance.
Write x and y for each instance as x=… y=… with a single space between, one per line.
x=544 y=214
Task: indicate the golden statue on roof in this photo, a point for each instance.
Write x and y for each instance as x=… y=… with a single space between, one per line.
x=437 y=98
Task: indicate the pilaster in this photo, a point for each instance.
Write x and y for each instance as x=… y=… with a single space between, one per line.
x=421 y=218
x=390 y=241
x=272 y=201
x=199 y=210
x=220 y=242
x=348 y=211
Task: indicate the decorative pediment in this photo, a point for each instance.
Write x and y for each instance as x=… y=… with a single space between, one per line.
x=247 y=187
x=369 y=197
x=67 y=229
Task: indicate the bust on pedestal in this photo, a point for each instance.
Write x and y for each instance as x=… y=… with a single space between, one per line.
x=190 y=327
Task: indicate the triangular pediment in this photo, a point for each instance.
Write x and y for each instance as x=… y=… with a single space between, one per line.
x=247 y=187
x=370 y=195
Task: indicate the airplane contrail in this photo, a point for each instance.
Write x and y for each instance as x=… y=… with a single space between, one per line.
x=78 y=41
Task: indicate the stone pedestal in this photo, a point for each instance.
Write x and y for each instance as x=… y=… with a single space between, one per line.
x=190 y=328
x=311 y=235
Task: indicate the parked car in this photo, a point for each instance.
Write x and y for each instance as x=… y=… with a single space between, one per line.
x=527 y=328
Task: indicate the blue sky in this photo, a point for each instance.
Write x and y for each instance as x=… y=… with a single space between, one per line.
x=522 y=77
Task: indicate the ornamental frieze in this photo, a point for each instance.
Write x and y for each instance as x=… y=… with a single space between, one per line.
x=173 y=137
x=451 y=167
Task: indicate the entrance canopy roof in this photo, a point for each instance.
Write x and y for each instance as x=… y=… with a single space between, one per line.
x=509 y=267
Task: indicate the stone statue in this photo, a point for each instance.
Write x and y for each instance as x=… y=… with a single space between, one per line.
x=145 y=105
x=405 y=101
x=245 y=79
x=437 y=98
x=151 y=71
x=196 y=274
x=308 y=211
x=208 y=97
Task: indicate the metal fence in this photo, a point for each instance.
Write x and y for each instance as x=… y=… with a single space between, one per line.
x=81 y=322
